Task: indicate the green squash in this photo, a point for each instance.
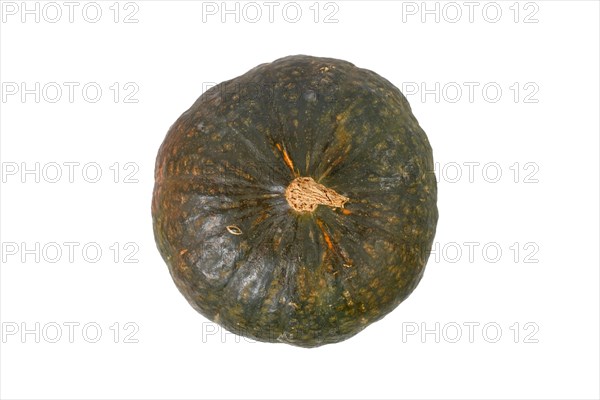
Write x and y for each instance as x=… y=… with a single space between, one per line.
x=297 y=202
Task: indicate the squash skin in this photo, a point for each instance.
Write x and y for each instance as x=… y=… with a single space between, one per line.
x=305 y=279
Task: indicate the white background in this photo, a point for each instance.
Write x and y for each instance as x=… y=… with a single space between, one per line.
x=543 y=288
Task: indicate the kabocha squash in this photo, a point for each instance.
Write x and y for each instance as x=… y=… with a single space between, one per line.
x=296 y=203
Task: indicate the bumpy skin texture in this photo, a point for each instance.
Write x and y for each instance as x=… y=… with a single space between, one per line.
x=236 y=249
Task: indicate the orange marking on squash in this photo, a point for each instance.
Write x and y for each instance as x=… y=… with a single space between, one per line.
x=286 y=158
x=325 y=235
x=345 y=211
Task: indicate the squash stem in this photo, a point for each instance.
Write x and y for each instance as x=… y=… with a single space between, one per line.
x=304 y=194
